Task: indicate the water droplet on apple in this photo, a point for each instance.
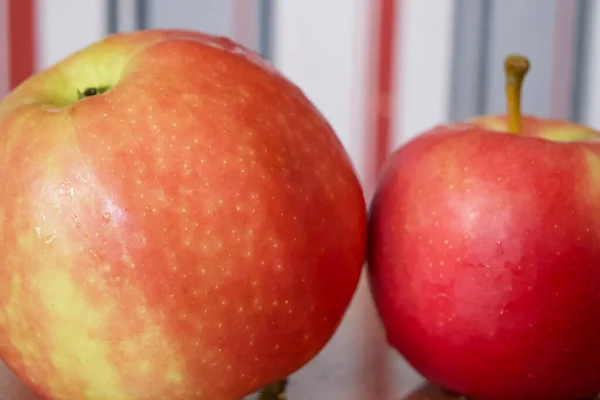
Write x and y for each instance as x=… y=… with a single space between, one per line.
x=106 y=217
x=50 y=238
x=76 y=221
x=64 y=190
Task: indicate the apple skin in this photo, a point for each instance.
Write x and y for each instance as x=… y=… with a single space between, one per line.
x=196 y=232
x=484 y=258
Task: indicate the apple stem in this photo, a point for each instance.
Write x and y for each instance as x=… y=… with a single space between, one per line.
x=275 y=391
x=515 y=69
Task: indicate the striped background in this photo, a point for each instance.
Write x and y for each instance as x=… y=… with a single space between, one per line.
x=380 y=70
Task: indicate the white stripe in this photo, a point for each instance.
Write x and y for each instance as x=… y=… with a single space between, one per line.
x=425 y=54
x=321 y=46
x=565 y=26
x=65 y=26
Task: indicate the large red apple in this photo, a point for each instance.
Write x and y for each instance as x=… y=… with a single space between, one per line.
x=177 y=221
x=485 y=257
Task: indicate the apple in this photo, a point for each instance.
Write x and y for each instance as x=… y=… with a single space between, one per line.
x=484 y=254
x=177 y=221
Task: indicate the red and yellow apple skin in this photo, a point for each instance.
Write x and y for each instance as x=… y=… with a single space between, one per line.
x=196 y=232
x=484 y=258
x=551 y=129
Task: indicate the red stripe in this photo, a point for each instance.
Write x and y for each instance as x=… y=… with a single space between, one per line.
x=384 y=21
x=381 y=97
x=3 y=48
x=21 y=44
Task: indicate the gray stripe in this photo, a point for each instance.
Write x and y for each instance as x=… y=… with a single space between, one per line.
x=265 y=20
x=112 y=17
x=484 y=43
x=141 y=14
x=469 y=58
x=581 y=58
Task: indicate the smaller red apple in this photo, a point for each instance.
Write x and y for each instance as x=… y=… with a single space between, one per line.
x=484 y=254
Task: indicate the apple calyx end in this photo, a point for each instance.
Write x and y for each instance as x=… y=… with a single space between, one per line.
x=91 y=91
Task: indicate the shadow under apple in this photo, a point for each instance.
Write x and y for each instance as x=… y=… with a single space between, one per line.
x=12 y=388
x=428 y=391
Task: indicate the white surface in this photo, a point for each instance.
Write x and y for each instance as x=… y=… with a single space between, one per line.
x=64 y=26
x=423 y=83
x=321 y=46
x=561 y=83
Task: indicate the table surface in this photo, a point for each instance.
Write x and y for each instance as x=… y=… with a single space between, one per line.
x=12 y=389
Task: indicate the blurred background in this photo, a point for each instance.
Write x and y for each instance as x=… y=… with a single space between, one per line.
x=380 y=70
